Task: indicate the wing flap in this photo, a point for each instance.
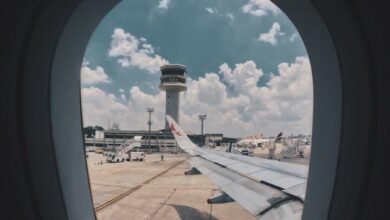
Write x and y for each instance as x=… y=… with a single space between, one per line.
x=296 y=170
x=251 y=195
x=254 y=168
x=298 y=191
x=286 y=182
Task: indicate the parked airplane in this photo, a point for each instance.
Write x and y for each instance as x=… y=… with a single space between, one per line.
x=253 y=142
x=264 y=187
x=258 y=142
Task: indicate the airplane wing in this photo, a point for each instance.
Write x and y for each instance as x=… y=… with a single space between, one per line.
x=267 y=188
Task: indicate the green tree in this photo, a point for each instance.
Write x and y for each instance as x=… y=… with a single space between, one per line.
x=98 y=128
x=90 y=131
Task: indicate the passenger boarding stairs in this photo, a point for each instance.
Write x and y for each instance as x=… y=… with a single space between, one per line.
x=290 y=150
x=128 y=147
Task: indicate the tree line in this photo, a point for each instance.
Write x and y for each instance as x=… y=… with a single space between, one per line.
x=90 y=130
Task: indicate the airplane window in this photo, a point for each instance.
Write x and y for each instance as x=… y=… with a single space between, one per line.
x=244 y=106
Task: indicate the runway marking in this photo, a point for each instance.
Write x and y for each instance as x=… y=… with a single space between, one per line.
x=102 y=184
x=121 y=196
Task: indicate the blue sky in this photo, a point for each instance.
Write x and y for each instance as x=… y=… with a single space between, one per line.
x=248 y=48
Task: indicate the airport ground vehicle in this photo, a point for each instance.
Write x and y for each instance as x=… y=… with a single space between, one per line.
x=121 y=157
x=243 y=151
x=247 y=152
x=116 y=157
x=99 y=150
x=126 y=154
x=139 y=156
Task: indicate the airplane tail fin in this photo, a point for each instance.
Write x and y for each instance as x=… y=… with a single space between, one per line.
x=273 y=148
x=181 y=137
x=279 y=137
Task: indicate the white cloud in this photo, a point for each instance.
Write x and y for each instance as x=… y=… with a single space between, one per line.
x=209 y=90
x=85 y=62
x=164 y=4
x=123 y=97
x=230 y=15
x=294 y=80
x=293 y=37
x=211 y=10
x=99 y=107
x=93 y=77
x=270 y=36
x=260 y=7
x=285 y=104
x=219 y=14
x=132 y=51
x=121 y=90
x=243 y=78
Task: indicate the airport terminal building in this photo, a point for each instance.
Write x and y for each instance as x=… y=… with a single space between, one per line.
x=161 y=140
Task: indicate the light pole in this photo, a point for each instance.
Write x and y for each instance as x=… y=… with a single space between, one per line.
x=150 y=110
x=202 y=118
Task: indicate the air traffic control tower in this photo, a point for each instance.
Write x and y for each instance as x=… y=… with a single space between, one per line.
x=173 y=81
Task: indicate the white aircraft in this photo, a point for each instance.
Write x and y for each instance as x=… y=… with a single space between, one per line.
x=257 y=142
x=266 y=188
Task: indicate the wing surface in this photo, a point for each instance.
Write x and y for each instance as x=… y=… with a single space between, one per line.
x=257 y=184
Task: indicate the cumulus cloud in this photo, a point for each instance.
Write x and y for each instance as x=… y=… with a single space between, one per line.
x=164 y=4
x=284 y=104
x=243 y=78
x=93 y=76
x=260 y=8
x=270 y=36
x=98 y=107
x=132 y=51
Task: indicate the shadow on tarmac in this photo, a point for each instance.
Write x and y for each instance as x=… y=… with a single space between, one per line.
x=186 y=212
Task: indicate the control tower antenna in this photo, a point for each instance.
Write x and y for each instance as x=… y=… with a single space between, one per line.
x=173 y=81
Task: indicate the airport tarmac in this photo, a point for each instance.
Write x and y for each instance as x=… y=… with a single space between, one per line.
x=148 y=191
